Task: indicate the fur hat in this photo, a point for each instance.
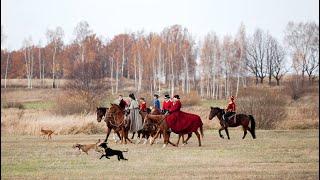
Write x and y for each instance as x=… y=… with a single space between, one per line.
x=176 y=96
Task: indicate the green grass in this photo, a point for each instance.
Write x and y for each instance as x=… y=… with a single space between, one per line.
x=273 y=155
x=214 y=103
x=40 y=105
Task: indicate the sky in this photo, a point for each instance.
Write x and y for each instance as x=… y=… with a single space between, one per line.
x=24 y=18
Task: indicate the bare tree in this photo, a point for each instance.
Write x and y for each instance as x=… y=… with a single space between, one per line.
x=256 y=55
x=278 y=65
x=28 y=56
x=303 y=41
x=55 y=39
x=82 y=31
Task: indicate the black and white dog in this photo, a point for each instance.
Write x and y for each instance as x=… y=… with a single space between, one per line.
x=110 y=152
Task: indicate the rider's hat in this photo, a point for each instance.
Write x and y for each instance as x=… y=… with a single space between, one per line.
x=176 y=96
x=167 y=96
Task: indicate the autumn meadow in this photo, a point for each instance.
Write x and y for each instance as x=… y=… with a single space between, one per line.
x=57 y=81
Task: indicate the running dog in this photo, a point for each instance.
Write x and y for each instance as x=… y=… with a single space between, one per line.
x=47 y=132
x=110 y=152
x=86 y=147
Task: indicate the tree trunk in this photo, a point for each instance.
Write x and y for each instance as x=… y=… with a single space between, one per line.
x=5 y=75
x=117 y=77
x=111 y=77
x=122 y=64
x=140 y=71
x=53 y=68
x=172 y=77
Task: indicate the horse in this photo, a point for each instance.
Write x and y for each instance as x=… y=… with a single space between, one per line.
x=163 y=127
x=101 y=113
x=116 y=117
x=241 y=119
x=146 y=133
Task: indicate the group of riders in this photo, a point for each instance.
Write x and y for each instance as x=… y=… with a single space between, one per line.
x=133 y=109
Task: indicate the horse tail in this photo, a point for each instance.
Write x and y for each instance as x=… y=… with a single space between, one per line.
x=253 y=126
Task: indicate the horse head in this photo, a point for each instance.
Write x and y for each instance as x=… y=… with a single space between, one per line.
x=101 y=111
x=214 y=111
x=114 y=108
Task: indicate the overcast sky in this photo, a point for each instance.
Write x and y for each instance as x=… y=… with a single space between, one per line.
x=24 y=18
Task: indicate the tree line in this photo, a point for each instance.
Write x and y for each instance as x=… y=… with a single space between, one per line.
x=168 y=61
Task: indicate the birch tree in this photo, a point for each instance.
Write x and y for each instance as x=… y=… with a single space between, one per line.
x=55 y=40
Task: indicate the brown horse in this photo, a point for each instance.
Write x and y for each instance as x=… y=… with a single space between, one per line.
x=101 y=113
x=114 y=118
x=241 y=119
x=145 y=134
x=163 y=127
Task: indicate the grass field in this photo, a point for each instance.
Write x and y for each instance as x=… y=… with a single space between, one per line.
x=276 y=154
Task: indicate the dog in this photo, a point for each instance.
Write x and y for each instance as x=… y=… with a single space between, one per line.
x=47 y=132
x=86 y=147
x=110 y=152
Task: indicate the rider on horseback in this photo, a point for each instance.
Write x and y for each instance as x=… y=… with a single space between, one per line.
x=143 y=105
x=167 y=104
x=231 y=110
x=156 y=102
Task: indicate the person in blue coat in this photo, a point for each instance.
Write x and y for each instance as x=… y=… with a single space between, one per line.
x=156 y=102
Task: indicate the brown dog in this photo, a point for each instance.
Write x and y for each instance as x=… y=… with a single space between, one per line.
x=47 y=132
x=86 y=147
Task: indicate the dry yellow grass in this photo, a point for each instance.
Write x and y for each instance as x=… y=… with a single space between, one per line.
x=29 y=122
x=273 y=155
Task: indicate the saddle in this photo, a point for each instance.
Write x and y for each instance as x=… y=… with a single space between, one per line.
x=234 y=116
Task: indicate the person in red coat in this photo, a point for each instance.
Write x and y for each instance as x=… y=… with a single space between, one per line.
x=231 y=109
x=181 y=122
x=167 y=104
x=143 y=105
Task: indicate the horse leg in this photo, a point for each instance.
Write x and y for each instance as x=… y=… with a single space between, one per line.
x=133 y=135
x=189 y=136
x=221 y=136
x=198 y=136
x=250 y=130
x=108 y=133
x=117 y=132
x=227 y=132
x=156 y=136
x=168 y=140
x=126 y=132
x=244 y=132
x=179 y=139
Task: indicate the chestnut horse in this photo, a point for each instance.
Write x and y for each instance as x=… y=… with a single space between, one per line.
x=101 y=113
x=241 y=119
x=163 y=127
x=145 y=134
x=114 y=118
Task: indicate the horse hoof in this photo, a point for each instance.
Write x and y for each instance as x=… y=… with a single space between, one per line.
x=164 y=146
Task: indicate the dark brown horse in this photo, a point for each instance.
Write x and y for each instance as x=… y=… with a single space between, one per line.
x=163 y=127
x=240 y=119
